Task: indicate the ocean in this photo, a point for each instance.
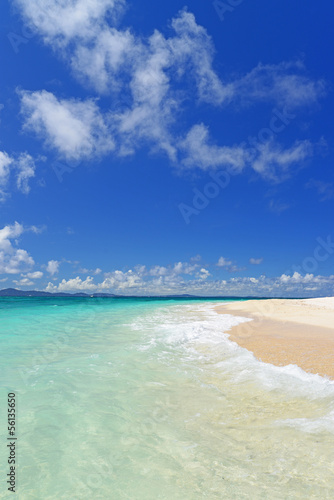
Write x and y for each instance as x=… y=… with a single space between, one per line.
x=147 y=399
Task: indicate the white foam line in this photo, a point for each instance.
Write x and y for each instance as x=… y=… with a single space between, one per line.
x=188 y=325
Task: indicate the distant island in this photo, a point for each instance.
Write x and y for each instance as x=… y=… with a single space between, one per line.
x=14 y=292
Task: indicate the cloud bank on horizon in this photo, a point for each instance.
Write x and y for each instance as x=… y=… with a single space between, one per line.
x=181 y=278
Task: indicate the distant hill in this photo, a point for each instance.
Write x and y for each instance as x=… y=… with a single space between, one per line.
x=14 y=292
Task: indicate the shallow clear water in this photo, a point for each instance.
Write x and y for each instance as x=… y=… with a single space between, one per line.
x=148 y=399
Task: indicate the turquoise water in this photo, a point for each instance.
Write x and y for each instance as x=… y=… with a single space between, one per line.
x=148 y=399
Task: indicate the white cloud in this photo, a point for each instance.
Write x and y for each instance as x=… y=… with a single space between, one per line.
x=228 y=265
x=23 y=282
x=75 y=128
x=196 y=258
x=274 y=163
x=13 y=260
x=87 y=271
x=5 y=162
x=37 y=229
x=158 y=271
x=184 y=268
x=121 y=281
x=193 y=47
x=255 y=262
x=23 y=165
x=151 y=80
x=199 y=152
x=8 y=233
x=203 y=274
x=75 y=284
x=35 y=275
x=61 y=22
x=26 y=170
x=223 y=262
x=297 y=278
x=53 y=267
x=132 y=283
x=268 y=159
x=282 y=83
x=97 y=64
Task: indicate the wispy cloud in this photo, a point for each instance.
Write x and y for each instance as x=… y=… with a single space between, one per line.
x=5 y=162
x=21 y=167
x=255 y=262
x=274 y=163
x=201 y=152
x=228 y=265
x=278 y=206
x=23 y=282
x=285 y=83
x=26 y=170
x=223 y=262
x=34 y=275
x=325 y=190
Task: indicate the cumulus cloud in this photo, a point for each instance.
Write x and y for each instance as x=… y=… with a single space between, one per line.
x=74 y=284
x=13 y=260
x=53 y=267
x=137 y=279
x=121 y=281
x=203 y=274
x=150 y=81
x=142 y=282
x=158 y=271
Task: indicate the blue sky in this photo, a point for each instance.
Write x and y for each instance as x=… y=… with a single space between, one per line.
x=156 y=149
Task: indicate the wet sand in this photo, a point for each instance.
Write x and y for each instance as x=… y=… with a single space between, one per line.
x=287 y=331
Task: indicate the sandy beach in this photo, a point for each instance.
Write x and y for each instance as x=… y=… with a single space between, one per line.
x=287 y=331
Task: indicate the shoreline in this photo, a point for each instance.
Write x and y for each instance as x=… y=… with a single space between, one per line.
x=287 y=331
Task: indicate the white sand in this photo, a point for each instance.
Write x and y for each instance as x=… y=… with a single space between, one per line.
x=284 y=331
